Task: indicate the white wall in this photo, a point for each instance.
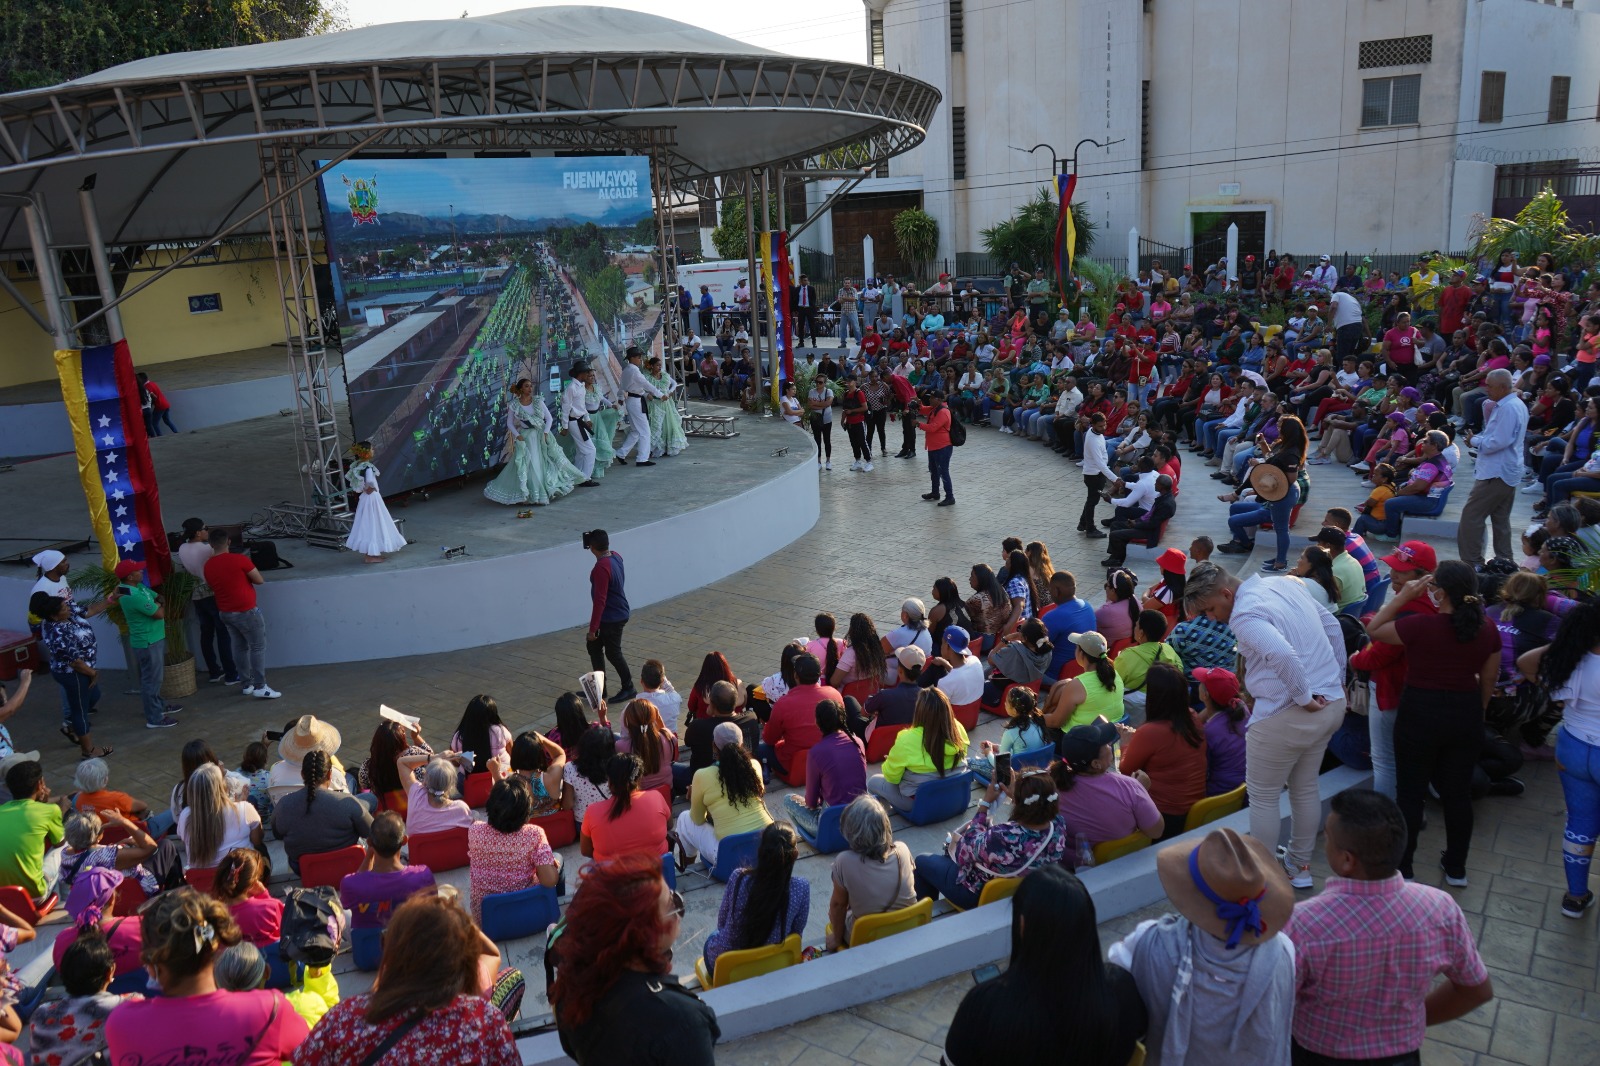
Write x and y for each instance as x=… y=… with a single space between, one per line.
x=1110 y=56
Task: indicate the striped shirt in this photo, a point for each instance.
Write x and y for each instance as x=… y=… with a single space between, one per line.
x=1366 y=955
x=1356 y=547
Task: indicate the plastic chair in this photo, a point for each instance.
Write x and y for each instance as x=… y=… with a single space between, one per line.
x=994 y=890
x=940 y=799
x=201 y=879
x=444 y=850
x=475 y=790
x=329 y=867
x=752 y=962
x=665 y=792
x=733 y=852
x=882 y=739
x=828 y=839
x=669 y=871
x=1119 y=647
x=18 y=902
x=366 y=948
x=393 y=801
x=967 y=714
x=132 y=981
x=1107 y=850
x=1379 y=593
x=796 y=774
x=1213 y=807
x=560 y=828
x=870 y=927
x=1034 y=758
x=130 y=894
x=863 y=690
x=1000 y=708
x=513 y=915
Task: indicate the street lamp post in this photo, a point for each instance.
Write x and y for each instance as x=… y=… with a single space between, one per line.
x=1056 y=161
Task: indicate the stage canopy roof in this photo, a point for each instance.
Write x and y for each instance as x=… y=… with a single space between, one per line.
x=176 y=140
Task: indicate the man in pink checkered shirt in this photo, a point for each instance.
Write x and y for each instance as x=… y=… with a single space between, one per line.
x=1367 y=949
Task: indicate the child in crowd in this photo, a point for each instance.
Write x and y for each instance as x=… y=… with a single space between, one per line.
x=254 y=769
x=1532 y=542
x=71 y=1031
x=1024 y=731
x=1372 y=518
x=1222 y=719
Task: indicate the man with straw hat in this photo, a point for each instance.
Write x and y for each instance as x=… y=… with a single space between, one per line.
x=1217 y=978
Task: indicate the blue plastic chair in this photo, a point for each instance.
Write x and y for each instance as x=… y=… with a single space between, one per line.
x=366 y=948
x=1034 y=758
x=1376 y=597
x=33 y=995
x=669 y=871
x=132 y=981
x=829 y=839
x=513 y=915
x=733 y=852
x=941 y=799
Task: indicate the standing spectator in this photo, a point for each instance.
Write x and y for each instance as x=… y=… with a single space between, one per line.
x=505 y=853
x=762 y=904
x=803 y=301
x=72 y=651
x=428 y=1000
x=233 y=578
x=1217 y=977
x=934 y=420
x=706 y=307
x=836 y=770
x=1498 y=472
x=192 y=1020
x=615 y=998
x=1386 y=663
x=849 y=323
x=1019 y=1017
x=383 y=881
x=215 y=647
x=1095 y=471
x=873 y=874
x=155 y=405
x=147 y=636
x=609 y=613
x=1452 y=667
x=1293 y=652
x=1348 y=325
x=1368 y=948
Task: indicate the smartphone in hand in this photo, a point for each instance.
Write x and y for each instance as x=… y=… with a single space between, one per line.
x=1002 y=769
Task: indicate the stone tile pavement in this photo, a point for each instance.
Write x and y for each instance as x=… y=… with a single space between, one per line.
x=876 y=543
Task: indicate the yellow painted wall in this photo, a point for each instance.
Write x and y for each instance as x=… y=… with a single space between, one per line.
x=157 y=320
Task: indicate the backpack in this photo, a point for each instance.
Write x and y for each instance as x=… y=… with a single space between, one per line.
x=313 y=925
x=958 y=433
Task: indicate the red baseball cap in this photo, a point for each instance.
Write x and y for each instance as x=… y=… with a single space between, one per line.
x=128 y=566
x=1221 y=685
x=1412 y=555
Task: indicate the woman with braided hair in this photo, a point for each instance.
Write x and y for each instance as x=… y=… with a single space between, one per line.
x=182 y=932
x=1454 y=664
x=315 y=818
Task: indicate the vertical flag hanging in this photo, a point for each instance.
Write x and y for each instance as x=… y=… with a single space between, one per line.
x=1066 y=233
x=781 y=264
x=101 y=394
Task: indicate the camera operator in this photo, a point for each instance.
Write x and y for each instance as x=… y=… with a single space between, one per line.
x=609 y=614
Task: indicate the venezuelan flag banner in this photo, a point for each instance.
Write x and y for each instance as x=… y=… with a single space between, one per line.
x=1066 y=234
x=101 y=394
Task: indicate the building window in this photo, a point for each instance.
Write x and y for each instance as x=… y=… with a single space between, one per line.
x=958 y=142
x=1492 y=96
x=876 y=30
x=1395 y=52
x=1390 y=101
x=1560 y=92
x=957 y=29
x=1144 y=125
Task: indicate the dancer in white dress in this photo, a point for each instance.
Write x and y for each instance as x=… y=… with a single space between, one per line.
x=536 y=470
x=373 y=533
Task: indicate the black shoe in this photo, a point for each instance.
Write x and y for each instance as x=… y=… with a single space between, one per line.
x=930 y=495
x=900 y=454
x=1110 y=563
x=1218 y=476
x=1094 y=534
x=1234 y=547
x=948 y=501
x=1107 y=522
x=590 y=484
x=1509 y=786
x=647 y=462
x=620 y=461
x=626 y=694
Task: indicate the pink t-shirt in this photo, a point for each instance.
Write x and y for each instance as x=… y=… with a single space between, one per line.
x=1401 y=343
x=216 y=1029
x=260 y=917
x=423 y=817
x=122 y=934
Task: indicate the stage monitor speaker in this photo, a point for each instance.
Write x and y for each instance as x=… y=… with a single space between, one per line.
x=174 y=542
x=264 y=553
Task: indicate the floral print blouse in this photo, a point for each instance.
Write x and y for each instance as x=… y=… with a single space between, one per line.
x=985 y=850
x=67 y=642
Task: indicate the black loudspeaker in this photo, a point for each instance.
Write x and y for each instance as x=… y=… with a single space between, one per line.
x=264 y=553
x=174 y=542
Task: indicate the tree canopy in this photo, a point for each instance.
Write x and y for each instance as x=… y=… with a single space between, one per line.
x=44 y=42
x=1028 y=237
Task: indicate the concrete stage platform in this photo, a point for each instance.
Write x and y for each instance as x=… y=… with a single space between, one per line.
x=709 y=512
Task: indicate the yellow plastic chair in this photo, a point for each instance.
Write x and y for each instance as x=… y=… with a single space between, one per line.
x=1107 y=850
x=751 y=962
x=870 y=927
x=994 y=890
x=1138 y=1054
x=1213 y=807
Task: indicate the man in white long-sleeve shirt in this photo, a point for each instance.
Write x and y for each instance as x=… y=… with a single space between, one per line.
x=1095 y=469
x=1497 y=473
x=1293 y=652
x=636 y=387
x=575 y=420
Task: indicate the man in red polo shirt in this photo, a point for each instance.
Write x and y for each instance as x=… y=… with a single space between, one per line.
x=792 y=726
x=234 y=577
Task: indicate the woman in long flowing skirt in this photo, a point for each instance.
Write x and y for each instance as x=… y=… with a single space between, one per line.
x=536 y=471
x=373 y=532
x=666 y=425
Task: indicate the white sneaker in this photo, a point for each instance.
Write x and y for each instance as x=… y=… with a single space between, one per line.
x=1361 y=467
x=1299 y=876
x=855 y=464
x=867 y=468
x=249 y=690
x=1533 y=488
x=1366 y=483
x=827 y=466
x=265 y=693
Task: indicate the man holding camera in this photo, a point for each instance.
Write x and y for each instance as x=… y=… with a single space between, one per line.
x=609 y=612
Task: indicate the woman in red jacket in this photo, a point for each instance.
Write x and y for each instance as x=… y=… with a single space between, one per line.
x=935 y=422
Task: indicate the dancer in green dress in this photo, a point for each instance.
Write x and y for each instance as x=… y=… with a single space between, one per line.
x=666 y=425
x=536 y=471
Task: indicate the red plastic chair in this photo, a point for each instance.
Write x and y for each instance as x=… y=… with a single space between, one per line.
x=441 y=851
x=967 y=714
x=329 y=867
x=560 y=828
x=18 y=902
x=476 y=789
x=1117 y=648
x=881 y=740
x=797 y=768
x=201 y=879
x=666 y=793
x=862 y=690
x=130 y=894
x=393 y=801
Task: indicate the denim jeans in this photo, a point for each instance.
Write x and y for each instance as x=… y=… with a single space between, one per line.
x=152 y=671
x=806 y=818
x=80 y=696
x=249 y=632
x=1397 y=507
x=215 y=647
x=1380 y=737
x=935 y=875
x=1246 y=515
x=939 y=470
x=1578 y=764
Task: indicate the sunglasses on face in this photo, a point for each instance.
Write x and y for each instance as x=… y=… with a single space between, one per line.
x=678 y=908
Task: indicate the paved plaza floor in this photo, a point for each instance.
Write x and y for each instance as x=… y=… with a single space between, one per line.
x=876 y=543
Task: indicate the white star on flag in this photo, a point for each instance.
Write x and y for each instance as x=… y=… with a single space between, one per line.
x=105 y=420
x=111 y=457
x=118 y=495
x=111 y=475
x=122 y=510
x=128 y=546
x=122 y=530
x=109 y=439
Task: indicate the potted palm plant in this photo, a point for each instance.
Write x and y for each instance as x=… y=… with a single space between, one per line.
x=176 y=594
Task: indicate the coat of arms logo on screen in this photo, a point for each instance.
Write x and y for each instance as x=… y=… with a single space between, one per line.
x=363 y=197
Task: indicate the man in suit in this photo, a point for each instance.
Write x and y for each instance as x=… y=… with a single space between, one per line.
x=803 y=302
x=1144 y=529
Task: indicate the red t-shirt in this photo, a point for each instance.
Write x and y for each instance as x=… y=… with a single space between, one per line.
x=1453 y=303
x=1436 y=660
x=228 y=576
x=643 y=827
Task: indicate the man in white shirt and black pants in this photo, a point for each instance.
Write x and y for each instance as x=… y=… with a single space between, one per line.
x=1095 y=469
x=575 y=420
x=1294 y=665
x=1348 y=325
x=637 y=390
